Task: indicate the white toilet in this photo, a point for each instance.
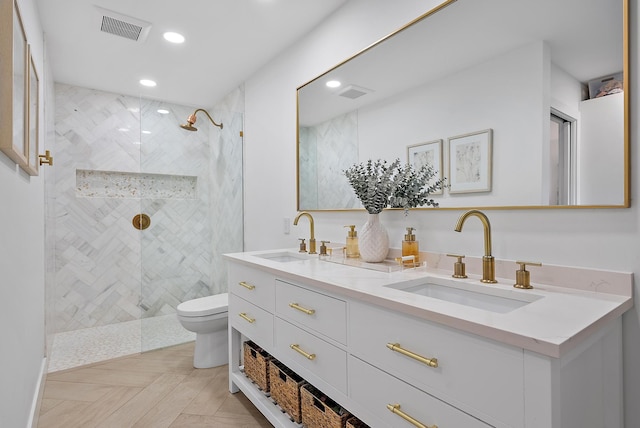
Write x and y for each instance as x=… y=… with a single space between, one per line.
x=207 y=317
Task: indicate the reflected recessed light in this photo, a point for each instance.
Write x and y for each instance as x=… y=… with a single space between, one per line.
x=123 y=129
x=147 y=82
x=333 y=84
x=137 y=143
x=146 y=132
x=163 y=111
x=172 y=37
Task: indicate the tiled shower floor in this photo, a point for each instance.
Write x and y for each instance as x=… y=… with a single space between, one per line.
x=91 y=345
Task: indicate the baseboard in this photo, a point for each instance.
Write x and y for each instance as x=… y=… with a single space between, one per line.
x=37 y=397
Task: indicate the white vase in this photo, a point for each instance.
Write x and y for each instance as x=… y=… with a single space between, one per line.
x=373 y=241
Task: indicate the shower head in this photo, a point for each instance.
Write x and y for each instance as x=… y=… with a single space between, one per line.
x=192 y=119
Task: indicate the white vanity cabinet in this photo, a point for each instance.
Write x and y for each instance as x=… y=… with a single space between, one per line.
x=388 y=367
x=479 y=376
x=310 y=336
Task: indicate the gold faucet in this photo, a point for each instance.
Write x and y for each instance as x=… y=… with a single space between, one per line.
x=312 y=239
x=488 y=262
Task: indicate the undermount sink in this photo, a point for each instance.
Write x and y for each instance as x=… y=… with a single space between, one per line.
x=482 y=296
x=284 y=256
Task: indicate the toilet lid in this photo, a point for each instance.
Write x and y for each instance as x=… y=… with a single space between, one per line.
x=202 y=306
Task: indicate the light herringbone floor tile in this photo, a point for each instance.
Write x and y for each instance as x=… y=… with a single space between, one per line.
x=155 y=389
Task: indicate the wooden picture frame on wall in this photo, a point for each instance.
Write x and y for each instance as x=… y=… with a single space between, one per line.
x=13 y=84
x=429 y=153
x=470 y=164
x=33 y=117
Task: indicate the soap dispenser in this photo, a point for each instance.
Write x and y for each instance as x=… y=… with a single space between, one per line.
x=352 y=242
x=410 y=246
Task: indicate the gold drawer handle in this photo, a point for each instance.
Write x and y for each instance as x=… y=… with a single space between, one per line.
x=307 y=355
x=247 y=285
x=395 y=409
x=247 y=318
x=431 y=362
x=301 y=309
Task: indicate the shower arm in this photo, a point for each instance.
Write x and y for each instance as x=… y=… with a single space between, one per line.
x=192 y=118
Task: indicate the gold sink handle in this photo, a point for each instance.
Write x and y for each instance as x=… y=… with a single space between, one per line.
x=523 y=276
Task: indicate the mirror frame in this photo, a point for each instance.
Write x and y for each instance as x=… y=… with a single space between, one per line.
x=626 y=132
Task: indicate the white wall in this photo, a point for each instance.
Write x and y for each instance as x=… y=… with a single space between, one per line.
x=22 y=269
x=604 y=239
x=487 y=95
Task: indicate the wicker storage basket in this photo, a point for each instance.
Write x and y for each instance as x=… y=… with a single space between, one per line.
x=354 y=422
x=319 y=411
x=285 y=389
x=256 y=365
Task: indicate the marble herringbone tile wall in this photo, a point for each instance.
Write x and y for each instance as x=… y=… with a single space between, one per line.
x=106 y=270
x=326 y=150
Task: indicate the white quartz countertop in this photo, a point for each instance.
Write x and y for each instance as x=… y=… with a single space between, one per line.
x=554 y=321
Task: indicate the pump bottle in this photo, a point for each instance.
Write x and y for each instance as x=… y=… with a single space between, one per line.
x=410 y=245
x=352 y=242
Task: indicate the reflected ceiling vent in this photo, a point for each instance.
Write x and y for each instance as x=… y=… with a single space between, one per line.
x=353 y=91
x=122 y=25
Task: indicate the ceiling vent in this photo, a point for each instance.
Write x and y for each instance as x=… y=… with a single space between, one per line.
x=353 y=91
x=122 y=25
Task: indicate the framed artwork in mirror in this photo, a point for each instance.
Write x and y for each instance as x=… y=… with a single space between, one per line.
x=470 y=162
x=33 y=117
x=13 y=78
x=419 y=155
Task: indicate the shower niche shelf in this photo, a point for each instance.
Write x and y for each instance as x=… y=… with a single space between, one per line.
x=118 y=184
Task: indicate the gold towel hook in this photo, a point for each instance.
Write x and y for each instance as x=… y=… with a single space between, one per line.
x=46 y=158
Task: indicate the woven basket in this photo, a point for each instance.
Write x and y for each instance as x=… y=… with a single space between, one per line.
x=256 y=365
x=319 y=411
x=285 y=389
x=354 y=422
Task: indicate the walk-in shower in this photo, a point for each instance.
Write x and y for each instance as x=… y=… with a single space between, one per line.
x=116 y=285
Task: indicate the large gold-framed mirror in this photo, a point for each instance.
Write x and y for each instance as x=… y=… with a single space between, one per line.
x=529 y=71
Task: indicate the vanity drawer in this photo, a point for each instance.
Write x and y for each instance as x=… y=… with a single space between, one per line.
x=478 y=375
x=252 y=321
x=252 y=285
x=375 y=390
x=324 y=360
x=321 y=313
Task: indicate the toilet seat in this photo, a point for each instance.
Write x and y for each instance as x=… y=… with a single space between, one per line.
x=203 y=306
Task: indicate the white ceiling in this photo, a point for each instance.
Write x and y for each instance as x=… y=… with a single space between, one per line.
x=226 y=42
x=585 y=42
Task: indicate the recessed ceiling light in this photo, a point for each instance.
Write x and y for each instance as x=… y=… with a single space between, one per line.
x=333 y=84
x=146 y=132
x=123 y=129
x=172 y=37
x=147 y=82
x=163 y=111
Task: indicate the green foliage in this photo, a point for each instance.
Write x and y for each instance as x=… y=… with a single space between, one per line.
x=414 y=188
x=380 y=184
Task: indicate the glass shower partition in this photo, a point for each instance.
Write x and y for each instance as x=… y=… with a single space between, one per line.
x=191 y=204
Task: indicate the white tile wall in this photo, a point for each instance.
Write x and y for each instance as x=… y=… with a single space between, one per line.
x=108 y=272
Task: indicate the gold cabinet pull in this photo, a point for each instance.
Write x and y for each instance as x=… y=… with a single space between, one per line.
x=307 y=355
x=301 y=309
x=245 y=317
x=395 y=409
x=431 y=362
x=247 y=285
